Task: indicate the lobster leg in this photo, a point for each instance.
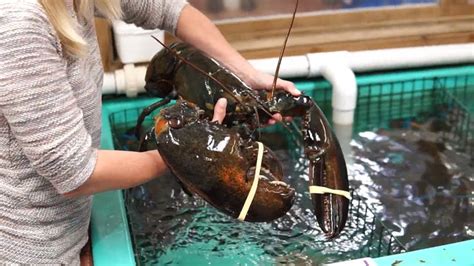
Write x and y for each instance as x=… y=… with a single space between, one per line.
x=149 y=109
x=149 y=136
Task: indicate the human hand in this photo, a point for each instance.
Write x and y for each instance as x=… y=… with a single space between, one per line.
x=260 y=80
x=219 y=110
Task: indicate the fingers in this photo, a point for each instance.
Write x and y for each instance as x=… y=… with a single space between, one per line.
x=289 y=87
x=219 y=110
x=277 y=117
x=265 y=81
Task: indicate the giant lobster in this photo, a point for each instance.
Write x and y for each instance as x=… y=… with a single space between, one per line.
x=218 y=161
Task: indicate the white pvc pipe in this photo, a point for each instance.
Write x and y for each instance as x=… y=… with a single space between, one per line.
x=108 y=84
x=310 y=65
x=336 y=67
x=129 y=81
x=359 y=61
x=344 y=99
x=344 y=91
x=291 y=66
x=411 y=57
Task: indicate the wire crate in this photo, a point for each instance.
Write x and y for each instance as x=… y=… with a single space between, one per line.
x=456 y=105
x=380 y=241
x=450 y=99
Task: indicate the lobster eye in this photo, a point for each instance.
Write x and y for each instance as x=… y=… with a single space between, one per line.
x=175 y=123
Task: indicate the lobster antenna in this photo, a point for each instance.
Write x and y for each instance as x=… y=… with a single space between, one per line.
x=264 y=108
x=283 y=51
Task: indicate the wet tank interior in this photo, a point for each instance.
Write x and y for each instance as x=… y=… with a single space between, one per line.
x=409 y=149
x=391 y=106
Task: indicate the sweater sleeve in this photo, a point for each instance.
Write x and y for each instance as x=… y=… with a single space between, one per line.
x=38 y=103
x=153 y=14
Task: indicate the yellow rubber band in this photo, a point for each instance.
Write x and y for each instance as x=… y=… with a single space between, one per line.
x=322 y=190
x=253 y=189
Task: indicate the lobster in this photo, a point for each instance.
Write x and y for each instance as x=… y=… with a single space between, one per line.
x=217 y=161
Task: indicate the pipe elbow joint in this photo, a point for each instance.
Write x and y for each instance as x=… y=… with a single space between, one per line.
x=344 y=94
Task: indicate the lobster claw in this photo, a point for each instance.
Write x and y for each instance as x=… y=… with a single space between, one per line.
x=217 y=164
x=328 y=173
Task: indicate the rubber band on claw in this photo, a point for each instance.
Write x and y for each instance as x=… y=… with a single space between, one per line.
x=323 y=190
x=253 y=189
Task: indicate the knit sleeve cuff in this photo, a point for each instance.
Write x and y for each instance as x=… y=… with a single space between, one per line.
x=171 y=22
x=154 y=14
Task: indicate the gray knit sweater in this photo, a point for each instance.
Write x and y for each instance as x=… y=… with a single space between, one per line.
x=50 y=120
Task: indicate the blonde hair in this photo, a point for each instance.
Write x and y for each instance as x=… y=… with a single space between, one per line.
x=66 y=27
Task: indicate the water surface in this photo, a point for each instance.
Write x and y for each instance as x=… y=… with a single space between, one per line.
x=418 y=185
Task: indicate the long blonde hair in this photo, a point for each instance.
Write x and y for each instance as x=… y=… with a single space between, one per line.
x=66 y=27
